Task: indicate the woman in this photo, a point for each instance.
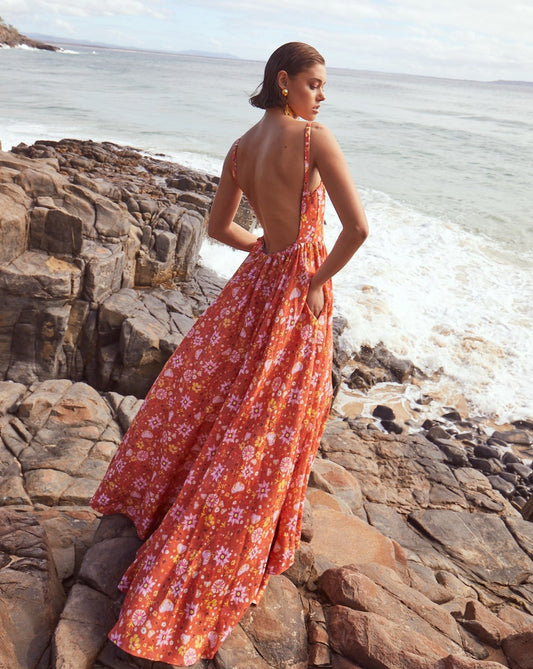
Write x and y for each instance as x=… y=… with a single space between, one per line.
x=213 y=469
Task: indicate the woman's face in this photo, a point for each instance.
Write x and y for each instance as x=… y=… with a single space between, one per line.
x=306 y=91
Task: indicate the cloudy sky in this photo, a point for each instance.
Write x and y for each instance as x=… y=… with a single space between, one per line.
x=471 y=39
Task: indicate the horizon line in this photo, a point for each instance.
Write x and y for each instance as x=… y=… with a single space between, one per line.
x=199 y=53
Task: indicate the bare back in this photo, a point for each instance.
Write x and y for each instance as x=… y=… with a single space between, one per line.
x=270 y=171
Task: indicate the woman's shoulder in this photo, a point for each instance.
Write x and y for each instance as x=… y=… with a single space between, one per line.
x=320 y=130
x=321 y=135
x=249 y=134
x=322 y=139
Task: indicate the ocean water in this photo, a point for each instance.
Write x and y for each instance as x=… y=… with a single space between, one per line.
x=444 y=168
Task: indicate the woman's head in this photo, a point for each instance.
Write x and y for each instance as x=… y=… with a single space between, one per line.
x=292 y=58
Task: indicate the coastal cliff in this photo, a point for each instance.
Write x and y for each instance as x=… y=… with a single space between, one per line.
x=10 y=37
x=417 y=545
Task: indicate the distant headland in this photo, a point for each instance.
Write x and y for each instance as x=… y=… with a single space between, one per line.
x=10 y=37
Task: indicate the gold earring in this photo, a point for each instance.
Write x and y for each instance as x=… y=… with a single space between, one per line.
x=287 y=109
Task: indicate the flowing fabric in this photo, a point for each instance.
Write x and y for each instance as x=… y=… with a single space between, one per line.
x=214 y=467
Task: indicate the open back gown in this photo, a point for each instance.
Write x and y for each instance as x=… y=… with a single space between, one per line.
x=214 y=467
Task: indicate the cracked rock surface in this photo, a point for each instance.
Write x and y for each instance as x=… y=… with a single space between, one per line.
x=439 y=582
x=410 y=557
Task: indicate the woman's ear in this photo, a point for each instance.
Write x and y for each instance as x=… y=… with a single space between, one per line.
x=282 y=79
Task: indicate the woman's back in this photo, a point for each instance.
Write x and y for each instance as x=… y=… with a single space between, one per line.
x=269 y=164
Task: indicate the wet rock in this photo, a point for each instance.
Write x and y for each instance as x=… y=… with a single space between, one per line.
x=506 y=488
x=455 y=455
x=519 y=468
x=497 y=442
x=11 y=37
x=436 y=432
x=510 y=477
x=384 y=412
x=364 y=378
x=523 y=424
x=483 y=451
x=400 y=369
x=452 y=415
x=391 y=426
x=519 y=437
x=378 y=365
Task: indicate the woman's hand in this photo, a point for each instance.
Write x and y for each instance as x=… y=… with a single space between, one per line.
x=315 y=300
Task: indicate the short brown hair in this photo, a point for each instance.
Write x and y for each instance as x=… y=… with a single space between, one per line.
x=293 y=57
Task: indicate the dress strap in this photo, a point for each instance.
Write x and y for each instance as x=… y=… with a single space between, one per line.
x=234 y=161
x=307 y=153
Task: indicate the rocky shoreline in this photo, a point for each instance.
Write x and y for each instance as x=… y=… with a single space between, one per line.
x=11 y=38
x=417 y=545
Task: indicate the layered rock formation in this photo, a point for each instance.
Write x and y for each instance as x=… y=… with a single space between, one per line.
x=411 y=558
x=91 y=238
x=10 y=37
x=405 y=561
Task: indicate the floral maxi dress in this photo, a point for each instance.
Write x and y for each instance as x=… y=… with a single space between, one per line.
x=214 y=467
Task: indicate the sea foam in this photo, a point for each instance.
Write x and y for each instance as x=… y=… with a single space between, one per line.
x=454 y=302
x=438 y=295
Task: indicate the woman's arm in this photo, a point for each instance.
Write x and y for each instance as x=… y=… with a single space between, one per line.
x=221 y=225
x=330 y=162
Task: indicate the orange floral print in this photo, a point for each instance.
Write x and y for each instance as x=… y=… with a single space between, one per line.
x=214 y=467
